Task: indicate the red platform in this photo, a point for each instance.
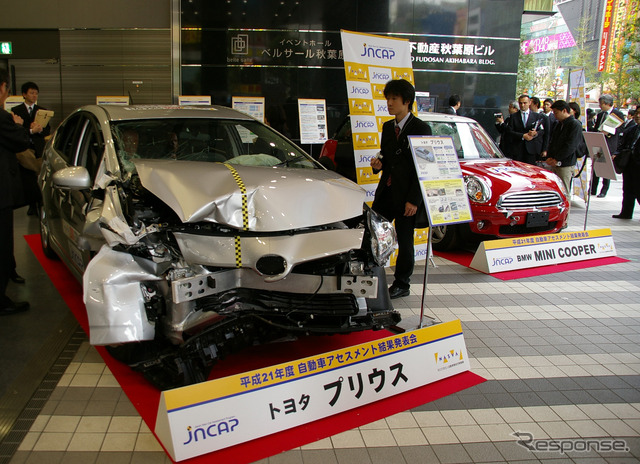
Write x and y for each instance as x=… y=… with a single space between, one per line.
x=146 y=398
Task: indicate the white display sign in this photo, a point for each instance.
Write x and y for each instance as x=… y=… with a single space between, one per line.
x=194 y=100
x=441 y=181
x=121 y=100
x=541 y=250
x=213 y=415
x=13 y=101
x=253 y=106
x=312 y=114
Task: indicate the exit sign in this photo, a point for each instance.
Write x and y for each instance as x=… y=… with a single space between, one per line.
x=5 y=48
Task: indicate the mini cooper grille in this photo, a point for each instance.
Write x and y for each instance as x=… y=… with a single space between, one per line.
x=530 y=200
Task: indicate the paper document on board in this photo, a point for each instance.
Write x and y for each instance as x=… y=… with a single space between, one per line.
x=610 y=124
x=43 y=117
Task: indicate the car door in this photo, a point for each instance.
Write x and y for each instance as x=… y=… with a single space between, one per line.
x=81 y=143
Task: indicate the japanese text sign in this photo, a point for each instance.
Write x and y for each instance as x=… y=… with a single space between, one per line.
x=213 y=415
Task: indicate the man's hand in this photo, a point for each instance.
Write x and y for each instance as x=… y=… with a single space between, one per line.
x=530 y=135
x=17 y=119
x=410 y=209
x=376 y=164
x=36 y=128
x=551 y=162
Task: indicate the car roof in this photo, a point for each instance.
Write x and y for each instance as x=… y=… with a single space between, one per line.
x=442 y=117
x=134 y=112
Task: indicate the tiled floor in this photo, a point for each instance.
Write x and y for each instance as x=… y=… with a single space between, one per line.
x=560 y=353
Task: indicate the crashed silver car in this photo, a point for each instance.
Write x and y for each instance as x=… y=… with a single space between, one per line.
x=199 y=231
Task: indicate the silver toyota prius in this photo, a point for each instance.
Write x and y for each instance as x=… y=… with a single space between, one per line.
x=197 y=231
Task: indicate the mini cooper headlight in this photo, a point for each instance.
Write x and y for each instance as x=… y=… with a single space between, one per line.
x=477 y=189
x=383 y=237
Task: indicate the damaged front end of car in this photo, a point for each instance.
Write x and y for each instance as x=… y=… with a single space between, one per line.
x=203 y=260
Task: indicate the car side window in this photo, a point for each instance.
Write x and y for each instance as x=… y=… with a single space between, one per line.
x=66 y=143
x=448 y=129
x=91 y=147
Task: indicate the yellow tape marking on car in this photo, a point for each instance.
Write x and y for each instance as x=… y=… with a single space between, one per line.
x=245 y=213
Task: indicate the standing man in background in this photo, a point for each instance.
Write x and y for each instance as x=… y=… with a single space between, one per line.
x=13 y=138
x=526 y=134
x=27 y=111
x=398 y=195
x=564 y=144
x=606 y=105
x=454 y=104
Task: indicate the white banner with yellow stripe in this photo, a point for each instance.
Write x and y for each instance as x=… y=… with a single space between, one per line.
x=213 y=415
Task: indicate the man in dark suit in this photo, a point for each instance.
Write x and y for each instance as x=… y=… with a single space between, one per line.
x=454 y=104
x=606 y=105
x=564 y=144
x=525 y=133
x=398 y=195
x=13 y=138
x=631 y=173
x=27 y=111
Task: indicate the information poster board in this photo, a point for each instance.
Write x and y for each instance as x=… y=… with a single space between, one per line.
x=194 y=100
x=312 y=114
x=253 y=106
x=443 y=188
x=122 y=100
x=600 y=155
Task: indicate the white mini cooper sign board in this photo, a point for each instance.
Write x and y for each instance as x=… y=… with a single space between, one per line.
x=510 y=254
x=210 y=416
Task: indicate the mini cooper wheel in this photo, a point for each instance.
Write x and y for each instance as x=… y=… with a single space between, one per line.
x=444 y=238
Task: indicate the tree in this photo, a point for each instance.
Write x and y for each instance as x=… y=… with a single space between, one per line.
x=624 y=81
x=526 y=71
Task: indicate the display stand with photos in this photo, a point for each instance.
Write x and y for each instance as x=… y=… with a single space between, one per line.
x=601 y=162
x=442 y=185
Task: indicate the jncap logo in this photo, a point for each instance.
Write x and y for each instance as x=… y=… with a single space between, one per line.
x=240 y=44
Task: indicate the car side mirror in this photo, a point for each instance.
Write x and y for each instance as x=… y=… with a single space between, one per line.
x=73 y=177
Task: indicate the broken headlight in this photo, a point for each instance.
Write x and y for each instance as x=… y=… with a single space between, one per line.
x=383 y=237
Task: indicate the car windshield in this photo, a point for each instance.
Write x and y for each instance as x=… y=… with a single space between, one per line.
x=470 y=140
x=235 y=142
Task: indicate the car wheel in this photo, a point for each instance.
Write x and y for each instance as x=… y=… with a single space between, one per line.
x=444 y=238
x=45 y=235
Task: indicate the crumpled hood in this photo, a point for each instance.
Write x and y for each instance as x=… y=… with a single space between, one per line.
x=505 y=174
x=276 y=198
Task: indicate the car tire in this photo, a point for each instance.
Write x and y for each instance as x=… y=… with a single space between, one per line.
x=45 y=235
x=445 y=238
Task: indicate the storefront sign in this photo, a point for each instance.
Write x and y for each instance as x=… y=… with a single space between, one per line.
x=213 y=415
x=542 y=250
x=326 y=49
x=548 y=43
x=441 y=181
x=604 y=38
x=312 y=114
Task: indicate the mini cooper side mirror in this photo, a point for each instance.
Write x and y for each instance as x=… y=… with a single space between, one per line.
x=73 y=177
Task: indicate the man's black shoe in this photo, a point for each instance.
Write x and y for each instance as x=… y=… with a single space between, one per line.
x=16 y=278
x=397 y=292
x=14 y=307
x=602 y=195
x=621 y=216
